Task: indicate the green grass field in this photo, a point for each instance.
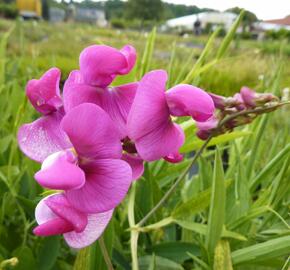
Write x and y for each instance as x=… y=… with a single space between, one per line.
x=255 y=177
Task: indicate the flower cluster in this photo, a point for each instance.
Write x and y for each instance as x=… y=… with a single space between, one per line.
x=92 y=139
x=242 y=105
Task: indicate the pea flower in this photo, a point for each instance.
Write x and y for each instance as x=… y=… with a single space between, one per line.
x=44 y=136
x=55 y=215
x=91 y=172
x=149 y=122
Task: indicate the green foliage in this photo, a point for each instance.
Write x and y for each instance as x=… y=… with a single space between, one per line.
x=145 y=9
x=231 y=211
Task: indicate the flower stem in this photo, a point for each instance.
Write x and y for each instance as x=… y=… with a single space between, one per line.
x=134 y=234
x=173 y=187
x=105 y=254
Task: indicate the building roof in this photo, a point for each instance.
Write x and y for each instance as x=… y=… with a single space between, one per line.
x=284 y=21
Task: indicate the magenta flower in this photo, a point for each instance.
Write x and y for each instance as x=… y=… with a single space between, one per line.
x=55 y=215
x=116 y=101
x=91 y=173
x=44 y=136
x=100 y=64
x=149 y=122
x=205 y=128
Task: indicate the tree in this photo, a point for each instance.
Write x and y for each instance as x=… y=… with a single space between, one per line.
x=145 y=9
x=248 y=19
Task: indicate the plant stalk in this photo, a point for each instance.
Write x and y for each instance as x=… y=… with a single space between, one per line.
x=173 y=187
x=105 y=254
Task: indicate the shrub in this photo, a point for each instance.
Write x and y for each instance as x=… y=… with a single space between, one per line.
x=8 y=11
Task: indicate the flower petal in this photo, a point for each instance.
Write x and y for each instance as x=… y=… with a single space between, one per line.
x=43 y=137
x=162 y=142
x=136 y=163
x=187 y=100
x=76 y=92
x=60 y=171
x=92 y=132
x=117 y=102
x=99 y=64
x=107 y=183
x=149 y=124
x=97 y=223
x=60 y=206
x=56 y=206
x=44 y=94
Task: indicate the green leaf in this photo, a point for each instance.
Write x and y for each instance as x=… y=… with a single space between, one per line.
x=229 y=37
x=192 y=143
x=5 y=142
x=199 y=63
x=269 y=168
x=202 y=229
x=262 y=251
x=160 y=262
x=175 y=251
x=26 y=259
x=48 y=253
x=196 y=204
x=148 y=53
x=217 y=205
x=222 y=256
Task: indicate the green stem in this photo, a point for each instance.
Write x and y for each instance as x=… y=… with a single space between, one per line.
x=134 y=234
x=173 y=187
x=105 y=253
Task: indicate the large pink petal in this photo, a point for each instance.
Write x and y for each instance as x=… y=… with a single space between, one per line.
x=187 y=100
x=92 y=132
x=43 y=137
x=160 y=143
x=99 y=64
x=76 y=92
x=117 y=102
x=136 y=163
x=107 y=183
x=44 y=93
x=149 y=124
x=60 y=171
x=97 y=223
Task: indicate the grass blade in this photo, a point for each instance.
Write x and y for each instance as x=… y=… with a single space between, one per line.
x=217 y=206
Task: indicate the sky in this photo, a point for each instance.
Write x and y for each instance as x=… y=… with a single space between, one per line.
x=264 y=9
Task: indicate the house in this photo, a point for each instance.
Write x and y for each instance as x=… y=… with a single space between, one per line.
x=90 y=15
x=29 y=8
x=275 y=25
x=186 y=23
x=56 y=15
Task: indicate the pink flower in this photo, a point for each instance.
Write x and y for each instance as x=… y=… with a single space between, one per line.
x=149 y=122
x=100 y=64
x=55 y=215
x=91 y=172
x=44 y=136
x=116 y=101
x=205 y=128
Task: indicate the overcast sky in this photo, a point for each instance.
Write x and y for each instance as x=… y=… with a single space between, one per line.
x=264 y=9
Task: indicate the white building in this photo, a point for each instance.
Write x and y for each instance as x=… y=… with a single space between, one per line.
x=273 y=24
x=224 y=19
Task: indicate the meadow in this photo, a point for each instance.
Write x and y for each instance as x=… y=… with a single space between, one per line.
x=243 y=188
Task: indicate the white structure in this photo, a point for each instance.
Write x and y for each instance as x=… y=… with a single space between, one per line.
x=225 y=19
x=90 y=15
